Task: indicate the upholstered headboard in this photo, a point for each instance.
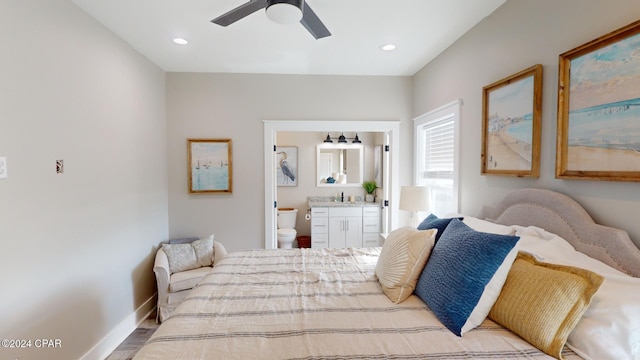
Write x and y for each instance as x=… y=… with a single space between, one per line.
x=561 y=215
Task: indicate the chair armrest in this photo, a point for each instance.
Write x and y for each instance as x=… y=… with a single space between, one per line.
x=161 y=269
x=219 y=253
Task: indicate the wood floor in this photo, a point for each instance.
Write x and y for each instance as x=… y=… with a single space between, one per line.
x=134 y=342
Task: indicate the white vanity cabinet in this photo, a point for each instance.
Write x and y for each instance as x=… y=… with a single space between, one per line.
x=345 y=226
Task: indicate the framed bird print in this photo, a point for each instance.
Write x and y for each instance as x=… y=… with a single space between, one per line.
x=209 y=163
x=287 y=165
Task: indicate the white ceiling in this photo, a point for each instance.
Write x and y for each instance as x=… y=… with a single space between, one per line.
x=421 y=29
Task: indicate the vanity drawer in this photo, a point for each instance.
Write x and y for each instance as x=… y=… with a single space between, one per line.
x=370 y=211
x=319 y=212
x=371 y=240
x=370 y=224
x=319 y=240
x=319 y=225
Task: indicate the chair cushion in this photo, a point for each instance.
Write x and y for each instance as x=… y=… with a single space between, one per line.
x=185 y=280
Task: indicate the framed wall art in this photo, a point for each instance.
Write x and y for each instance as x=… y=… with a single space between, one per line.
x=210 y=166
x=511 y=110
x=287 y=165
x=599 y=108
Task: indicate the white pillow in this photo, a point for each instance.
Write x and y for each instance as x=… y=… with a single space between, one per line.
x=187 y=256
x=204 y=251
x=487 y=226
x=610 y=328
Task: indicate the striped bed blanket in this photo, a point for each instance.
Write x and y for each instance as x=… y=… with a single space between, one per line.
x=315 y=304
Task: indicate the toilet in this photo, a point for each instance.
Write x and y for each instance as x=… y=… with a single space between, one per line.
x=286 y=227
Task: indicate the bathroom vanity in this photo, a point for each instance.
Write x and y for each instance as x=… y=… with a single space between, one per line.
x=344 y=224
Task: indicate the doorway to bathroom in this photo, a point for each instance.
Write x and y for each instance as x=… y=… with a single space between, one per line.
x=311 y=133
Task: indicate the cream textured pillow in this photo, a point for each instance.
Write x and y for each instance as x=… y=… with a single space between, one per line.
x=402 y=258
x=204 y=251
x=543 y=302
x=183 y=257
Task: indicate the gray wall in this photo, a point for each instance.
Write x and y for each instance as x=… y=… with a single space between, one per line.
x=77 y=248
x=233 y=106
x=520 y=34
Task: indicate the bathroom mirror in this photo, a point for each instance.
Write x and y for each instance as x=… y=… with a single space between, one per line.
x=342 y=162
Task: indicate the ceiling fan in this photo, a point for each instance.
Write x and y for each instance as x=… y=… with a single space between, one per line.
x=280 y=11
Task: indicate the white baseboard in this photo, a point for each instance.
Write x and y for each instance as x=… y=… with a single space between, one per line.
x=115 y=337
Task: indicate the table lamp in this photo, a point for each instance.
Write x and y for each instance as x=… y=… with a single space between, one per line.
x=414 y=199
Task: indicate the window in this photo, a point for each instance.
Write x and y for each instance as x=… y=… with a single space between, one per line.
x=436 y=154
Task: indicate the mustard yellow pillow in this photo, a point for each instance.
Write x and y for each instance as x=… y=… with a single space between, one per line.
x=543 y=302
x=402 y=258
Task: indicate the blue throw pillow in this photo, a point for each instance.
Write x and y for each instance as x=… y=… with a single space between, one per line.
x=464 y=275
x=434 y=222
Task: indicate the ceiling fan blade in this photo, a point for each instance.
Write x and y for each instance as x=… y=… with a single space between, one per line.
x=312 y=22
x=240 y=12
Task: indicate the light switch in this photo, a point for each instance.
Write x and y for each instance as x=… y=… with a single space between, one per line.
x=3 y=167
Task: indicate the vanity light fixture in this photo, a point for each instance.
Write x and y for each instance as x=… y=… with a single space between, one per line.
x=342 y=139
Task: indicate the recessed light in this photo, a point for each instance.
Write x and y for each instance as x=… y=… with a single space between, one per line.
x=388 y=47
x=180 y=41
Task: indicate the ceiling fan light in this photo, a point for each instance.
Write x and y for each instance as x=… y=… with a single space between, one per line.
x=285 y=11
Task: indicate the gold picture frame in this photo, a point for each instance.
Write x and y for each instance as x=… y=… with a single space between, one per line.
x=511 y=111
x=209 y=164
x=598 y=135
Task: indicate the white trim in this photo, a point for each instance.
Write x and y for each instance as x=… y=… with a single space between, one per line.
x=271 y=127
x=116 y=336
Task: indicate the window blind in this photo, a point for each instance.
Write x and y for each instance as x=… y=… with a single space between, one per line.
x=439 y=149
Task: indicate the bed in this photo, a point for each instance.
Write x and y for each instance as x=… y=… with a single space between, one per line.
x=329 y=303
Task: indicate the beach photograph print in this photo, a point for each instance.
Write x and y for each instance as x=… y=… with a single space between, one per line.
x=511 y=125
x=210 y=168
x=599 y=116
x=286 y=166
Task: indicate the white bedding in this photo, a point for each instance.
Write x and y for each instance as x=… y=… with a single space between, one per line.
x=313 y=304
x=610 y=328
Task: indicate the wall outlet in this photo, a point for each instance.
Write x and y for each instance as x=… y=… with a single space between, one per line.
x=3 y=167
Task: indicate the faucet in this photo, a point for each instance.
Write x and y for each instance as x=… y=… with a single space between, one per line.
x=342 y=197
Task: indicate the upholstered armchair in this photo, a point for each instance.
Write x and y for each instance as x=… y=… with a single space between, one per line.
x=179 y=266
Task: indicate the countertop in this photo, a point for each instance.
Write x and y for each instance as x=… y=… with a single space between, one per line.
x=316 y=203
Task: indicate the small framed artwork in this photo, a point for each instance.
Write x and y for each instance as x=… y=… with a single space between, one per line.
x=511 y=110
x=287 y=165
x=210 y=166
x=377 y=165
x=598 y=135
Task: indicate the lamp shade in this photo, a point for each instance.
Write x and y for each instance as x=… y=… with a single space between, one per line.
x=414 y=198
x=285 y=11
